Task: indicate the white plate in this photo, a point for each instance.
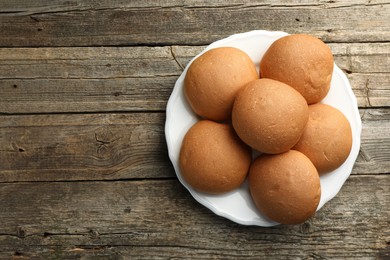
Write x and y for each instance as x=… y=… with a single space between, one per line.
x=237 y=205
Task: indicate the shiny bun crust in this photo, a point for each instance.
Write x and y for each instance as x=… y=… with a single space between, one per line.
x=213 y=159
x=213 y=80
x=285 y=187
x=327 y=138
x=269 y=116
x=301 y=61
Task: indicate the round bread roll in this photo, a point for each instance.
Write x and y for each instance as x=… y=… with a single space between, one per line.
x=213 y=159
x=327 y=138
x=269 y=115
x=301 y=61
x=213 y=80
x=285 y=187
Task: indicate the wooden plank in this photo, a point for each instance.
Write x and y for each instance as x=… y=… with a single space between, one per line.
x=357 y=58
x=126 y=146
x=47 y=80
x=83 y=146
x=371 y=89
x=374 y=157
x=124 y=219
x=41 y=6
x=87 y=62
x=85 y=95
x=118 y=23
x=86 y=79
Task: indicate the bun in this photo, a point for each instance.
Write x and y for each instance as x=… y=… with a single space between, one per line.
x=327 y=138
x=213 y=159
x=269 y=115
x=285 y=187
x=301 y=61
x=213 y=80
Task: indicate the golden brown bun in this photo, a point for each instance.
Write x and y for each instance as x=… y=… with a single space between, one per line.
x=213 y=159
x=269 y=115
x=327 y=138
x=301 y=61
x=285 y=187
x=213 y=80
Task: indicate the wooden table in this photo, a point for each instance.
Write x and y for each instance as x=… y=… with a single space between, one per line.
x=84 y=171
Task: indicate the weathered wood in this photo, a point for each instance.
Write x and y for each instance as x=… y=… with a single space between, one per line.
x=84 y=170
x=374 y=157
x=124 y=146
x=371 y=89
x=369 y=81
x=85 y=95
x=85 y=146
x=161 y=219
x=86 y=79
x=47 y=80
x=42 y=6
x=117 y=23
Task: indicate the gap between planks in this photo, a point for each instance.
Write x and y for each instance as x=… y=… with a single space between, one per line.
x=154 y=179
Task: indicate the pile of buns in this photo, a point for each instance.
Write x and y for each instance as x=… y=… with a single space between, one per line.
x=275 y=113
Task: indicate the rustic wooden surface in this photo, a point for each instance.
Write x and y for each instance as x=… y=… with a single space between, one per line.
x=84 y=170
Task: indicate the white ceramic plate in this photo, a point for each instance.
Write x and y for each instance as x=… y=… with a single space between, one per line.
x=237 y=205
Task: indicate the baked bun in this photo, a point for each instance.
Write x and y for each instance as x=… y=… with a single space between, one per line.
x=301 y=61
x=213 y=159
x=285 y=187
x=269 y=115
x=213 y=80
x=327 y=138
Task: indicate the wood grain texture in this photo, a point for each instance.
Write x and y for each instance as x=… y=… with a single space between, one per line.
x=84 y=170
x=127 y=146
x=159 y=219
x=80 y=147
x=73 y=23
x=47 y=80
x=42 y=6
x=86 y=79
x=376 y=125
